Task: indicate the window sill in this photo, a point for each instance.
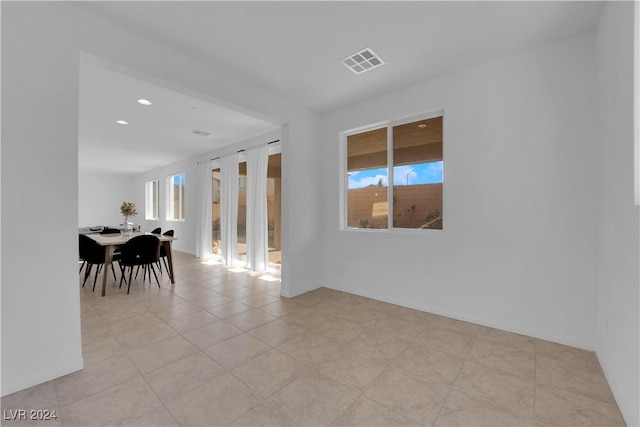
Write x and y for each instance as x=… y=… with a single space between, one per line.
x=410 y=231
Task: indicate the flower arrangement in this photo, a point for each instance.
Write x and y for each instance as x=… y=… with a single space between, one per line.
x=128 y=209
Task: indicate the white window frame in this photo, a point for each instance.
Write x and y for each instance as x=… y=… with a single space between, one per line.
x=344 y=181
x=170 y=197
x=151 y=192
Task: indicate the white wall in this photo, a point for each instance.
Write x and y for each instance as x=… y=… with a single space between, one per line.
x=41 y=48
x=40 y=299
x=518 y=250
x=100 y=196
x=617 y=338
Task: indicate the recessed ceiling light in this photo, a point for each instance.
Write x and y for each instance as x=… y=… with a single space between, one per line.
x=143 y=101
x=122 y=122
x=422 y=125
x=362 y=61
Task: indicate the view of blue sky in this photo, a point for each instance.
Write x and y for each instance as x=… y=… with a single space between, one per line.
x=422 y=173
x=178 y=179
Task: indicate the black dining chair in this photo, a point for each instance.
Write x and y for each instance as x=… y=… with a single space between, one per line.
x=156 y=230
x=163 y=252
x=91 y=253
x=143 y=251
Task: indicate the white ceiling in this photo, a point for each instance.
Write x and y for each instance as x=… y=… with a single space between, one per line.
x=156 y=135
x=295 y=48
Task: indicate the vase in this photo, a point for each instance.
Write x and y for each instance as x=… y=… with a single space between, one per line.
x=126 y=228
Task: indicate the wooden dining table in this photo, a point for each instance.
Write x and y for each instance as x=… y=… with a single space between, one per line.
x=111 y=242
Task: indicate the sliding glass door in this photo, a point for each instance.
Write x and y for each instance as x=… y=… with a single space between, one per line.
x=215 y=212
x=242 y=211
x=274 y=222
x=274 y=176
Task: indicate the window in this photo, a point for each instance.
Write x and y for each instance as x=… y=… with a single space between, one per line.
x=242 y=211
x=151 y=189
x=274 y=211
x=215 y=212
x=175 y=197
x=395 y=176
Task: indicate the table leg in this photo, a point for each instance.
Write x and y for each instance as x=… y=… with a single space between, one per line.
x=167 y=247
x=108 y=259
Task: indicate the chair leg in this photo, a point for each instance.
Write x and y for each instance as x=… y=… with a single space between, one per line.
x=154 y=273
x=82 y=265
x=95 y=279
x=87 y=272
x=122 y=269
x=164 y=259
x=122 y=278
x=137 y=269
x=130 y=274
x=113 y=270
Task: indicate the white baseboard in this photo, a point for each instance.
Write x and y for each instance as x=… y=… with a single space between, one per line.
x=461 y=316
x=626 y=413
x=298 y=292
x=41 y=377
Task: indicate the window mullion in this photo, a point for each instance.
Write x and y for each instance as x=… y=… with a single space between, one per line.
x=390 y=179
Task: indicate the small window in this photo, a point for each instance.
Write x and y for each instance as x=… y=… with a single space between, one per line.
x=395 y=176
x=151 y=190
x=175 y=197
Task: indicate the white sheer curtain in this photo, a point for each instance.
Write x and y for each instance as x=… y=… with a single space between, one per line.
x=229 y=208
x=257 y=243
x=204 y=237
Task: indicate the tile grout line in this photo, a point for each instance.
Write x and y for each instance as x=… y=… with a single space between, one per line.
x=456 y=379
x=263 y=400
x=198 y=284
x=389 y=365
x=154 y=392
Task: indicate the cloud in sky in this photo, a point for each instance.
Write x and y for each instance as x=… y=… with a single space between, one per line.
x=423 y=173
x=365 y=178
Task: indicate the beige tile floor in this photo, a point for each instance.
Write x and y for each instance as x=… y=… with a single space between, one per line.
x=222 y=348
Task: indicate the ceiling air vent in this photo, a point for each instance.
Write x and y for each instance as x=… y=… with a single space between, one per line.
x=200 y=132
x=362 y=61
